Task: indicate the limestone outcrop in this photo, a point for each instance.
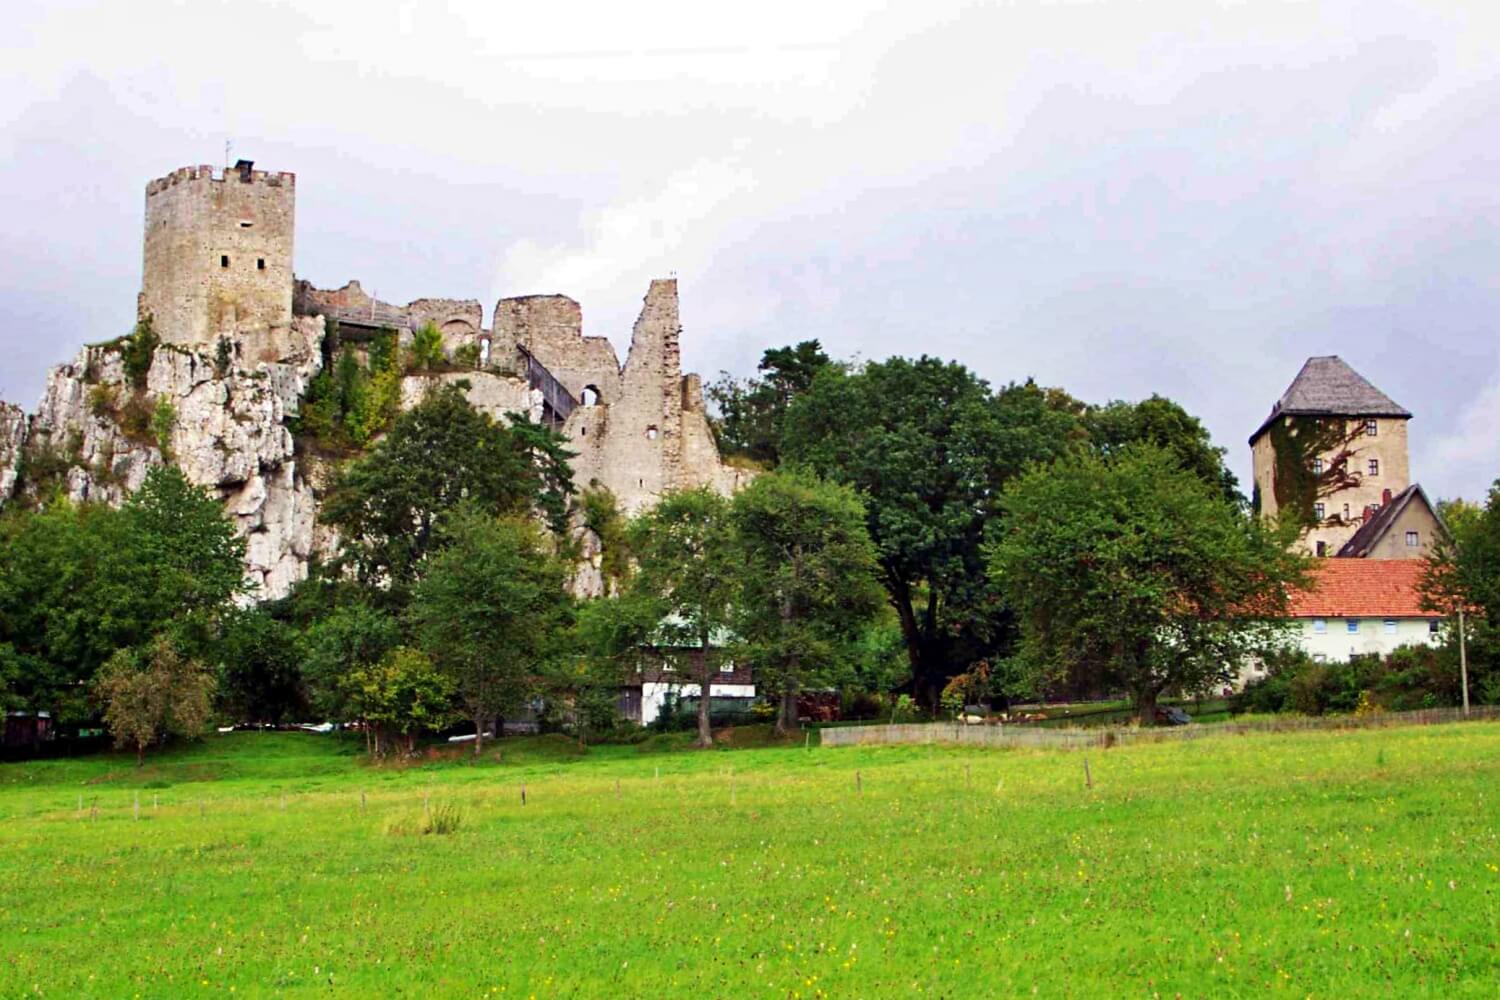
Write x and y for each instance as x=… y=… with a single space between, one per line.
x=12 y=440
x=225 y=427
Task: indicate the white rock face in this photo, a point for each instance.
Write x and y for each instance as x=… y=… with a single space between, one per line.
x=229 y=433
x=12 y=438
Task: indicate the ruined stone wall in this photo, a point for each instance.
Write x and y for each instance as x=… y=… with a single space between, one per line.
x=217 y=253
x=551 y=328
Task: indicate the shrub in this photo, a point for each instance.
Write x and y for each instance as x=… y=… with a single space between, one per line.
x=163 y=421
x=137 y=418
x=426 y=351
x=138 y=351
x=104 y=400
x=466 y=355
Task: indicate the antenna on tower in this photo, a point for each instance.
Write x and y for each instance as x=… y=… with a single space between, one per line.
x=228 y=145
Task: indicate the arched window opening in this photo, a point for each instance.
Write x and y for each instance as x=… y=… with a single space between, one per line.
x=589 y=396
x=651 y=433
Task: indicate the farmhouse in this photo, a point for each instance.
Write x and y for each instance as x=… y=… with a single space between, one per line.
x=1362 y=606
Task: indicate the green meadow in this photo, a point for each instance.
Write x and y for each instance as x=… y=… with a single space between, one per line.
x=1323 y=864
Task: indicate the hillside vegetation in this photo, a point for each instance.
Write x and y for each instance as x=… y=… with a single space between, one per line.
x=1324 y=864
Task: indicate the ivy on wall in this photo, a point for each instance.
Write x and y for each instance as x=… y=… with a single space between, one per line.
x=1296 y=484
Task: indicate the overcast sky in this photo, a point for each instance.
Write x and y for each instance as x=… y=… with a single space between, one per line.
x=1118 y=198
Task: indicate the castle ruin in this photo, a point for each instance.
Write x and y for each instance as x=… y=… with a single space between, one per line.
x=242 y=339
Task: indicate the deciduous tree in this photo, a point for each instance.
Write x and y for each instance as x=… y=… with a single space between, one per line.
x=1128 y=571
x=154 y=693
x=491 y=607
x=806 y=570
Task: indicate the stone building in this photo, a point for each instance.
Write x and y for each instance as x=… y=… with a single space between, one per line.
x=218 y=253
x=243 y=339
x=1357 y=518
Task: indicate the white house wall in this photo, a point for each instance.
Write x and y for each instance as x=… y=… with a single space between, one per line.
x=654 y=695
x=1380 y=636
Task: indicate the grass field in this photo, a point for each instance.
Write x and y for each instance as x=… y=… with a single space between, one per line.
x=1321 y=864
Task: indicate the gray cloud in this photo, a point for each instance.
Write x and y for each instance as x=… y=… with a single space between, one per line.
x=1119 y=199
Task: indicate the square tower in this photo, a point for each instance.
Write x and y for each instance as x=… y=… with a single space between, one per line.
x=218 y=253
x=1334 y=449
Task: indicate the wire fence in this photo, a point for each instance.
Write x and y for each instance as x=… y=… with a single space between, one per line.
x=1106 y=736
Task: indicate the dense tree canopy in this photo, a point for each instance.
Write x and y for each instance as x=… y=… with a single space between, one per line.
x=439 y=454
x=752 y=411
x=78 y=583
x=1161 y=422
x=930 y=447
x=1130 y=572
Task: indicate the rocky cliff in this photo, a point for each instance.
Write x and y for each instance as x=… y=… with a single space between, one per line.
x=97 y=432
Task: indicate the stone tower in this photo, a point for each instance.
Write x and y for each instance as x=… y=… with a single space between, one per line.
x=218 y=253
x=1379 y=464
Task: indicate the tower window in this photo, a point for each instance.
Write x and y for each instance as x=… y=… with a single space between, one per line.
x=1317 y=466
x=1318 y=511
x=224 y=260
x=246 y=225
x=1370 y=428
x=1374 y=466
x=260 y=263
x=651 y=433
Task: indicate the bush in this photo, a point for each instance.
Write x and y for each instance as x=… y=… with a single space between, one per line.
x=104 y=400
x=138 y=351
x=426 y=352
x=861 y=705
x=466 y=356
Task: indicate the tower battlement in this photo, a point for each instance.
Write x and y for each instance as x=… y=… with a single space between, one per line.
x=204 y=172
x=218 y=252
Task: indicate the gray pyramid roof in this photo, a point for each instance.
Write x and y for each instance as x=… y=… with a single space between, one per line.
x=1327 y=387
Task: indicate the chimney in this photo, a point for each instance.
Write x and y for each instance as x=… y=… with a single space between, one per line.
x=1369 y=513
x=245 y=167
x=1385 y=497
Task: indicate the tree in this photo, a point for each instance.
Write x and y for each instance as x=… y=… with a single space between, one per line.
x=1463 y=572
x=1128 y=571
x=78 y=582
x=679 y=603
x=152 y=694
x=440 y=453
x=751 y=411
x=348 y=639
x=582 y=687
x=259 y=667
x=551 y=468
x=491 y=608
x=929 y=447
x=807 y=580
x=399 y=697
x=1161 y=422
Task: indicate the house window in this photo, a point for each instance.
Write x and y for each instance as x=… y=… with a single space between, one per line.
x=726 y=668
x=1317 y=466
x=1432 y=626
x=1374 y=466
x=1320 y=626
x=1353 y=626
x=1370 y=427
x=1320 y=658
x=1412 y=540
x=260 y=263
x=224 y=260
x=1390 y=626
x=1318 y=511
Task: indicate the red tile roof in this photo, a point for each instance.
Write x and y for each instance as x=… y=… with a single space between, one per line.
x=1363 y=588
